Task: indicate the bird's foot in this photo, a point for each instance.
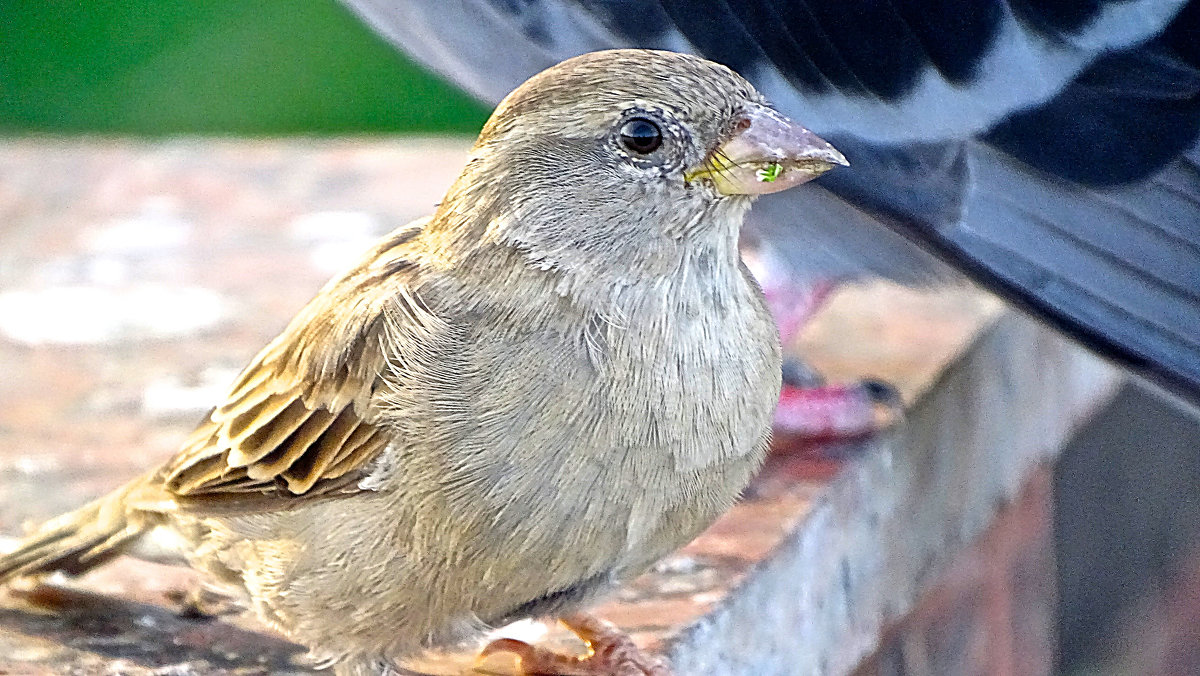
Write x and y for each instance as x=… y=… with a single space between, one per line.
x=810 y=410
x=201 y=603
x=610 y=653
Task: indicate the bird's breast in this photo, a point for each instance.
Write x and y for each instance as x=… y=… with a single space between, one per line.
x=691 y=372
x=581 y=434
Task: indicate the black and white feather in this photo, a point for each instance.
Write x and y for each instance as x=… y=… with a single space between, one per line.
x=1047 y=149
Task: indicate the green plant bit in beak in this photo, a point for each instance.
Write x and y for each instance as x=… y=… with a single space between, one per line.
x=769 y=154
x=769 y=173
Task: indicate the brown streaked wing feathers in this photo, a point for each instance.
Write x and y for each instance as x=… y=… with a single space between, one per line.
x=297 y=422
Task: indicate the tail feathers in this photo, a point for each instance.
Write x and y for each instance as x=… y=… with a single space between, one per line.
x=77 y=541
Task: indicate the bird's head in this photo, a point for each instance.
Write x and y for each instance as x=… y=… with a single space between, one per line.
x=613 y=151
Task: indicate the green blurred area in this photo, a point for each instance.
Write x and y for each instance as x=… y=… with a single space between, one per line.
x=212 y=66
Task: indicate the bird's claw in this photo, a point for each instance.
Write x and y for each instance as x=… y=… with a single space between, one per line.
x=835 y=412
x=201 y=603
x=610 y=653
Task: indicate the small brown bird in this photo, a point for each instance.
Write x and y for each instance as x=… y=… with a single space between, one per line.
x=504 y=409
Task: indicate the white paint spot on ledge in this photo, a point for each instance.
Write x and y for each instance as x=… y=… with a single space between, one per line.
x=529 y=631
x=338 y=238
x=171 y=397
x=323 y=226
x=156 y=228
x=90 y=315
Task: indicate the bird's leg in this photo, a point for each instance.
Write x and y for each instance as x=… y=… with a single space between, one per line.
x=610 y=653
x=793 y=305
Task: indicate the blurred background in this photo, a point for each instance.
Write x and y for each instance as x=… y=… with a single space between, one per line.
x=204 y=66
x=109 y=200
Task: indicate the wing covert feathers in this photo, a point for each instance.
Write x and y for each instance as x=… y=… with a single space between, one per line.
x=300 y=420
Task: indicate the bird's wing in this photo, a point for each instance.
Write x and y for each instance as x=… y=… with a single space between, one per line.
x=1048 y=150
x=301 y=420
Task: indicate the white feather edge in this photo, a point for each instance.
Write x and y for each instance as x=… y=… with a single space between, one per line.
x=937 y=109
x=488 y=53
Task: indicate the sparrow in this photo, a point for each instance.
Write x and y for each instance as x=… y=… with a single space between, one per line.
x=507 y=408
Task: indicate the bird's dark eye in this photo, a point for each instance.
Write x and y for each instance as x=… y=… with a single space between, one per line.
x=641 y=136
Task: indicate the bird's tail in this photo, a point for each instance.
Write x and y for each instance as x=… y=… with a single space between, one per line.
x=78 y=541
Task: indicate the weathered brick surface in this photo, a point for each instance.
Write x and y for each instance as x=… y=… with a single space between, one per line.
x=991 y=612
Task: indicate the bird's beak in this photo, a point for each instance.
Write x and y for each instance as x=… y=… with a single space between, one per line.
x=766 y=153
